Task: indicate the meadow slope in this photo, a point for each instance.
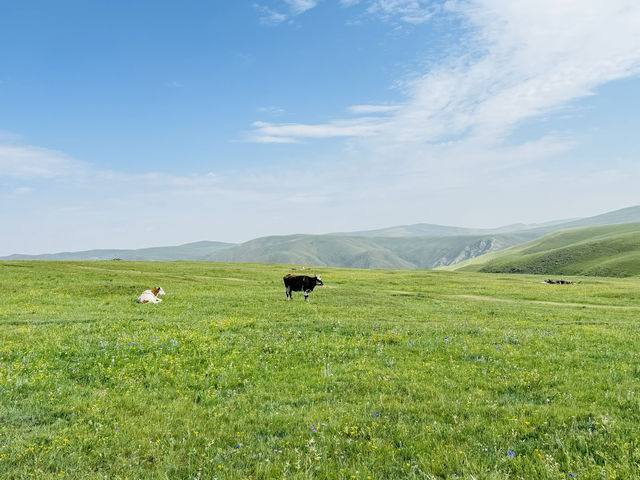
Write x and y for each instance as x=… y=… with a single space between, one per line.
x=609 y=251
x=384 y=375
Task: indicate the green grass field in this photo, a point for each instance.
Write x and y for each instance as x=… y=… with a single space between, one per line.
x=384 y=375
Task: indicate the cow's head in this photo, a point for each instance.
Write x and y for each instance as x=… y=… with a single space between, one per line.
x=318 y=280
x=158 y=291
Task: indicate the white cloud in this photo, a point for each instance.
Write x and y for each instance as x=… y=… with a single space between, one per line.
x=269 y=16
x=271 y=110
x=281 y=133
x=19 y=161
x=527 y=58
x=300 y=6
x=368 y=109
x=292 y=8
x=410 y=11
x=261 y=138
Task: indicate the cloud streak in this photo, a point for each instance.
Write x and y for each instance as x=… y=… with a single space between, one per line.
x=28 y=162
x=286 y=133
x=410 y=11
x=526 y=59
x=289 y=10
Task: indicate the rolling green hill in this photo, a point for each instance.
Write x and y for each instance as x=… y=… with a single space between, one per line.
x=423 y=246
x=361 y=252
x=611 y=250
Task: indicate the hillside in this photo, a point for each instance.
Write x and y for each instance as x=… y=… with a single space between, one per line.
x=422 y=245
x=361 y=252
x=321 y=250
x=611 y=250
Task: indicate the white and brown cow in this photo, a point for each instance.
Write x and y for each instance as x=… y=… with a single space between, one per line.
x=151 y=296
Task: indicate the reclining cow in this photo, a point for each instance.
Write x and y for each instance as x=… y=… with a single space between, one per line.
x=301 y=283
x=151 y=296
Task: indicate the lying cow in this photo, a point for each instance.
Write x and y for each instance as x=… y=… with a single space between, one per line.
x=151 y=296
x=301 y=283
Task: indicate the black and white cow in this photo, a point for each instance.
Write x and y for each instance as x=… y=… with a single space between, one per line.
x=301 y=283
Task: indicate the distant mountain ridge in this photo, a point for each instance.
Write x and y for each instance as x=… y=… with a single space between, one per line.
x=422 y=245
x=431 y=230
x=188 y=251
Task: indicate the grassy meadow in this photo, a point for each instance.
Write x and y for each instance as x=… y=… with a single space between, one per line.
x=383 y=375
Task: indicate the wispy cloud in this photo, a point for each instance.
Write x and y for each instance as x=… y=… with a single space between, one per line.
x=284 y=133
x=268 y=16
x=300 y=6
x=368 y=109
x=529 y=58
x=410 y=11
x=289 y=9
x=271 y=110
x=27 y=162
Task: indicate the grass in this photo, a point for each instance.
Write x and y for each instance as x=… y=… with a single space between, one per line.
x=385 y=374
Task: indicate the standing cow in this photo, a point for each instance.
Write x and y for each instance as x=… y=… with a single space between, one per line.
x=301 y=283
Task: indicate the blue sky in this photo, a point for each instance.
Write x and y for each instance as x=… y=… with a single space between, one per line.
x=143 y=123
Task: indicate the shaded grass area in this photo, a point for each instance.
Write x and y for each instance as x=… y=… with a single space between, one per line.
x=385 y=374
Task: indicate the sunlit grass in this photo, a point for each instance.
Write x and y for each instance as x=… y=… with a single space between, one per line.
x=385 y=374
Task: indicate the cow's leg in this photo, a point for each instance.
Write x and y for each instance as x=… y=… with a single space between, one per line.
x=288 y=293
x=306 y=295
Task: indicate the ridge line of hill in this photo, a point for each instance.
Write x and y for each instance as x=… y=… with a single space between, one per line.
x=423 y=246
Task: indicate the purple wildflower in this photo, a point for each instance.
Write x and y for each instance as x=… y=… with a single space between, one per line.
x=571 y=475
x=511 y=453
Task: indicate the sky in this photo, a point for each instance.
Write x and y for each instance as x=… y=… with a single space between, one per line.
x=148 y=123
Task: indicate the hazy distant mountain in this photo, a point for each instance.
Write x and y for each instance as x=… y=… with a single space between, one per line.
x=407 y=246
x=430 y=230
x=625 y=215
x=416 y=230
x=188 y=251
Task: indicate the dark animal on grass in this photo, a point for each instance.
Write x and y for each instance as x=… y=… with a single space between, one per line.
x=558 y=282
x=301 y=283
